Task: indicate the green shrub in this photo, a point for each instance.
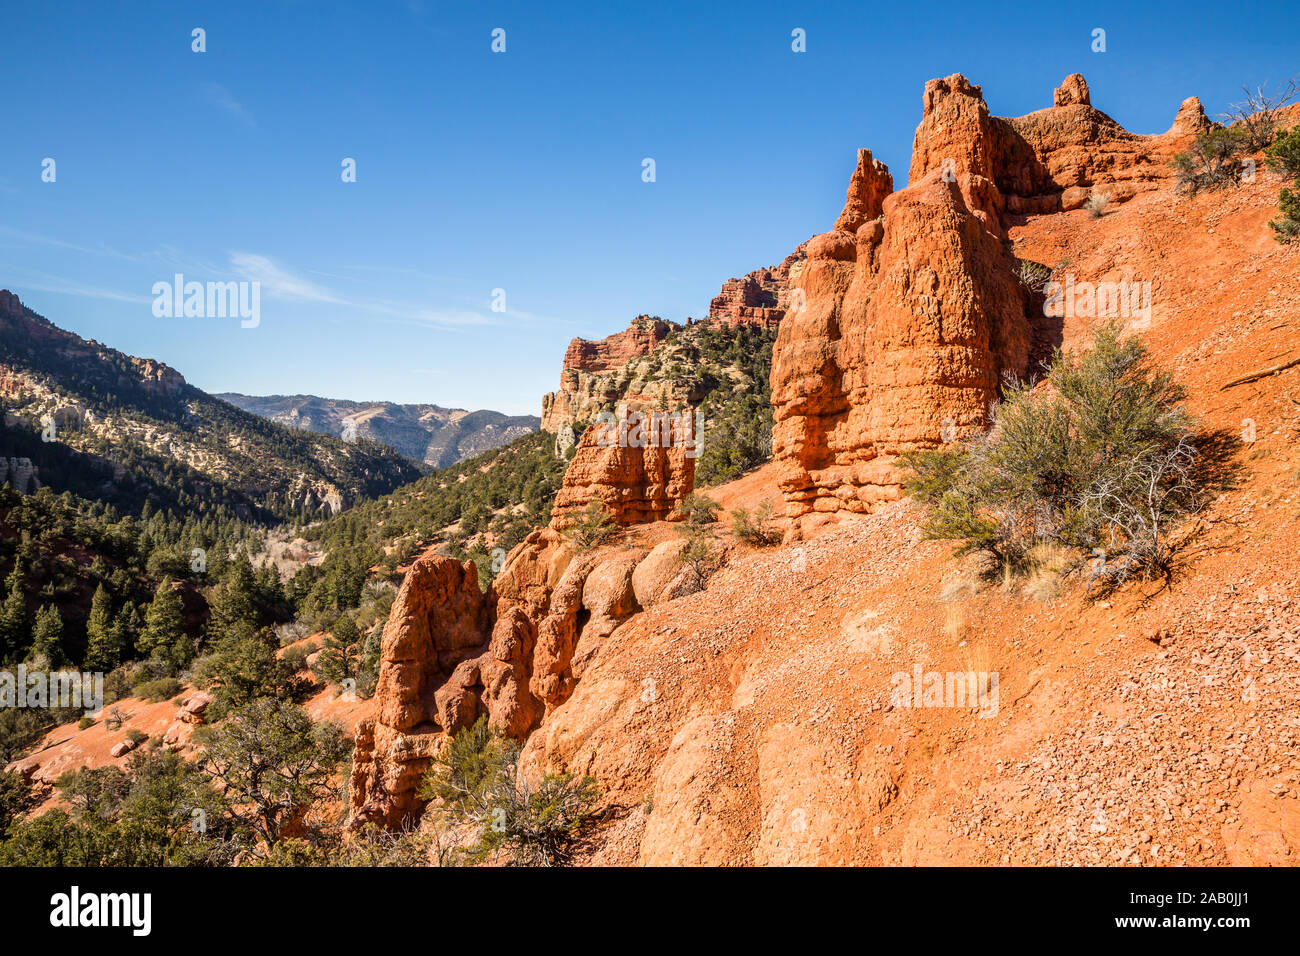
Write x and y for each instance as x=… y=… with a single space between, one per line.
x=698 y=510
x=1286 y=228
x=164 y=688
x=294 y=659
x=756 y=529
x=593 y=528
x=1100 y=460
x=1284 y=157
x=476 y=782
x=476 y=763
x=700 y=555
x=1213 y=161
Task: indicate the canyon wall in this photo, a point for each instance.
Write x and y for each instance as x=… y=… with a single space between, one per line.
x=760 y=298
x=590 y=379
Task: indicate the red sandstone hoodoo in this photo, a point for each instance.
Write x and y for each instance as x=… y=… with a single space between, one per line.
x=912 y=313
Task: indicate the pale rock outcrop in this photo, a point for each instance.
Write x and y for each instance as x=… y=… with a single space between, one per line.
x=586 y=387
x=20 y=474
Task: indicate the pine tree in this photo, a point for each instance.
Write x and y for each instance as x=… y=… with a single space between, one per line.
x=164 y=635
x=103 y=637
x=15 y=627
x=47 y=636
x=232 y=603
x=341 y=656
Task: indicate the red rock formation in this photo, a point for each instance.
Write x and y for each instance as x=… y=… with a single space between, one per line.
x=912 y=313
x=596 y=376
x=615 y=351
x=761 y=298
x=1191 y=119
x=1049 y=160
x=909 y=320
x=10 y=306
x=1073 y=89
x=450 y=655
x=581 y=394
x=437 y=621
x=637 y=484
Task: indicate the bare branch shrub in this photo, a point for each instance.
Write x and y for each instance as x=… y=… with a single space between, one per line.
x=1096 y=204
x=1212 y=162
x=1259 y=113
x=1032 y=275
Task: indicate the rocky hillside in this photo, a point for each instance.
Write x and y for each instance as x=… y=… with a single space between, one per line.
x=757 y=720
x=735 y=695
x=138 y=431
x=437 y=436
x=644 y=365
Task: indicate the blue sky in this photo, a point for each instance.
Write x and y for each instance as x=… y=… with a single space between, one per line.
x=518 y=171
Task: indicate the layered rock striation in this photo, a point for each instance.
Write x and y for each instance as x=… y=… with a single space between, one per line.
x=598 y=375
x=590 y=379
x=760 y=299
x=636 y=482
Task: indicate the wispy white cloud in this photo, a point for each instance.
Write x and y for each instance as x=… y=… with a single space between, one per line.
x=62 y=286
x=221 y=98
x=280 y=282
x=277 y=281
x=29 y=237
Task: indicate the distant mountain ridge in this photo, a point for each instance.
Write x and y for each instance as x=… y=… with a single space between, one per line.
x=432 y=434
x=80 y=415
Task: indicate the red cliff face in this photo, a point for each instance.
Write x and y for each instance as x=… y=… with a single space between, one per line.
x=596 y=376
x=761 y=298
x=10 y=307
x=911 y=313
x=636 y=484
x=615 y=351
x=451 y=654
